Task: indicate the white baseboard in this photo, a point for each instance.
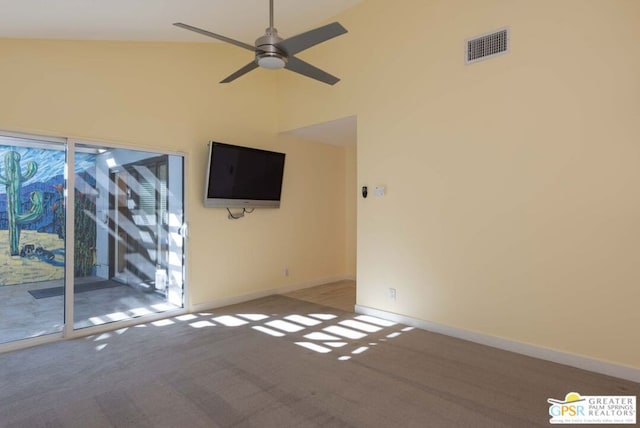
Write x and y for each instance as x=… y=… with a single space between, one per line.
x=227 y=301
x=568 y=359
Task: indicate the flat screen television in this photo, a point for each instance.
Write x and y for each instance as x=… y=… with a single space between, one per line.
x=243 y=177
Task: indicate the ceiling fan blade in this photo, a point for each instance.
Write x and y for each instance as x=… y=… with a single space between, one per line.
x=303 y=41
x=299 y=66
x=215 y=36
x=244 y=70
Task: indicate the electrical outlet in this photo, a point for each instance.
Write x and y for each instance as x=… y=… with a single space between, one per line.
x=392 y=293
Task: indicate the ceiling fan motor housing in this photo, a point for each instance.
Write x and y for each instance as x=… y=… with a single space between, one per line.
x=267 y=53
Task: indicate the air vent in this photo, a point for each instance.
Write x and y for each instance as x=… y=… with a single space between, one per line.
x=487 y=46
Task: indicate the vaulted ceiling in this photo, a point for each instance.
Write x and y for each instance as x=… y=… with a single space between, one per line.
x=150 y=20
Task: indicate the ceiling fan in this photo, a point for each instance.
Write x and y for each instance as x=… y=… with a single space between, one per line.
x=274 y=52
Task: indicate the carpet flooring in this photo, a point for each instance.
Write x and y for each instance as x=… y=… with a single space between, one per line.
x=282 y=362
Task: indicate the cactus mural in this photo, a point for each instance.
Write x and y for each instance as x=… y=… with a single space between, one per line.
x=58 y=212
x=13 y=179
x=85 y=235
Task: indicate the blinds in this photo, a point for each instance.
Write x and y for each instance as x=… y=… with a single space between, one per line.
x=152 y=194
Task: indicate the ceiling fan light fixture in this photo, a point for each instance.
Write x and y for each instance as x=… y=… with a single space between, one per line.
x=273 y=52
x=272 y=62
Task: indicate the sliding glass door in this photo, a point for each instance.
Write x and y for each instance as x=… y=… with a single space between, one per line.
x=128 y=249
x=116 y=240
x=32 y=244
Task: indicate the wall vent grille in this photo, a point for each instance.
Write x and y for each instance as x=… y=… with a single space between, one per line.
x=487 y=46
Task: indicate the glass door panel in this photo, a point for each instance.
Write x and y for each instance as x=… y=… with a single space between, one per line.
x=128 y=246
x=32 y=237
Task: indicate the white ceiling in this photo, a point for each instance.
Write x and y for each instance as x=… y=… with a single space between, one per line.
x=150 y=20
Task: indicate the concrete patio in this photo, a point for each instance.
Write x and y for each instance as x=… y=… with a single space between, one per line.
x=23 y=316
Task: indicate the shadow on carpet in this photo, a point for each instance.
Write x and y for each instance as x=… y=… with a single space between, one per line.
x=59 y=291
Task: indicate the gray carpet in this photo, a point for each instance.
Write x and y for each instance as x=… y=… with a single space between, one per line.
x=208 y=371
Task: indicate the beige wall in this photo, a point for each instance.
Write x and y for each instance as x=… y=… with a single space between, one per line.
x=351 y=204
x=513 y=204
x=166 y=97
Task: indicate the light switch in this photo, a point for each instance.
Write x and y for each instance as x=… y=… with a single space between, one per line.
x=379 y=191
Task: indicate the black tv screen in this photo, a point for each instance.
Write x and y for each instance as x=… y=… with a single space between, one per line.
x=243 y=177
